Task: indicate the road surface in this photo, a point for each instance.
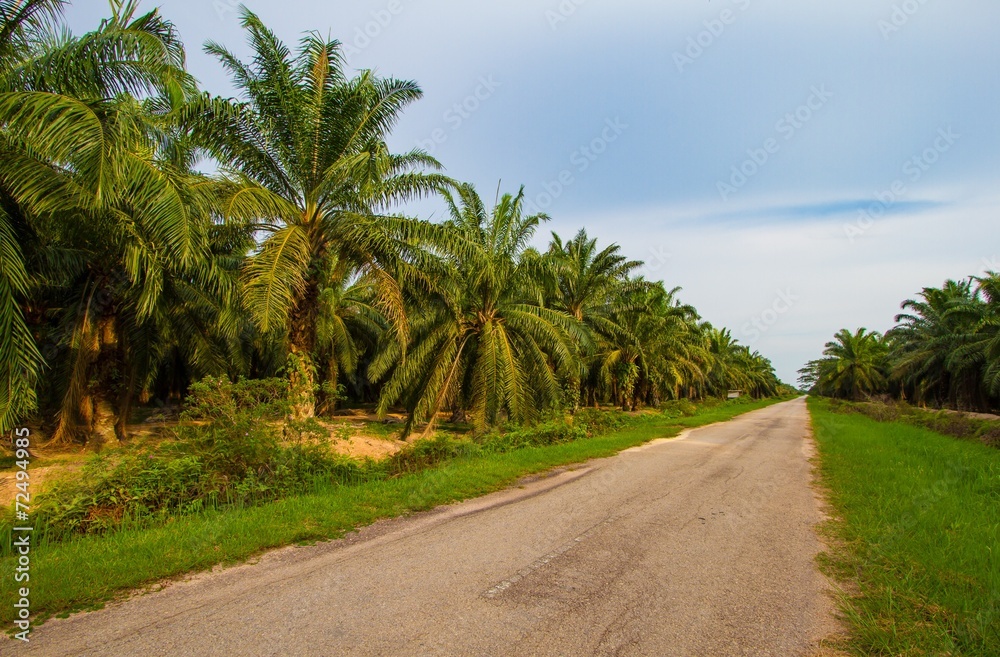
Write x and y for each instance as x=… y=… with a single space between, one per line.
x=702 y=545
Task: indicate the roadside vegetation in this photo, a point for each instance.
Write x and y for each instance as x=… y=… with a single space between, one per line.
x=944 y=352
x=916 y=533
x=93 y=563
x=236 y=448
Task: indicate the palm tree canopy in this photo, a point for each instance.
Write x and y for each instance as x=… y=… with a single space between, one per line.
x=306 y=165
x=482 y=344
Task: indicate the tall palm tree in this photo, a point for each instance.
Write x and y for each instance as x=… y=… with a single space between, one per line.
x=657 y=353
x=586 y=279
x=79 y=154
x=304 y=158
x=21 y=25
x=755 y=374
x=481 y=345
x=587 y=283
x=723 y=372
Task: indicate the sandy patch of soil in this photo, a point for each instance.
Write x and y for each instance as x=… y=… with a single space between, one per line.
x=40 y=476
x=364 y=447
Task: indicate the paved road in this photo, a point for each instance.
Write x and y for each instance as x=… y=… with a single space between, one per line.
x=697 y=546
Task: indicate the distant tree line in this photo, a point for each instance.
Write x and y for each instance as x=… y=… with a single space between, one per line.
x=944 y=351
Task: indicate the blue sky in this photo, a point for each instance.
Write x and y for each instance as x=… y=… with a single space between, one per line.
x=797 y=167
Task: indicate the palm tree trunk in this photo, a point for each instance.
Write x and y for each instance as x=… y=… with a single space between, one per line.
x=302 y=343
x=302 y=384
x=103 y=431
x=124 y=411
x=576 y=387
x=87 y=413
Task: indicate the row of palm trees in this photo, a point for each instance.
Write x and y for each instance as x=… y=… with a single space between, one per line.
x=126 y=273
x=943 y=352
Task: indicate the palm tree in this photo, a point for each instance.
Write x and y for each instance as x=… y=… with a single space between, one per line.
x=21 y=25
x=724 y=370
x=304 y=157
x=586 y=283
x=80 y=160
x=979 y=350
x=755 y=374
x=855 y=365
x=925 y=342
x=656 y=354
x=481 y=345
x=586 y=279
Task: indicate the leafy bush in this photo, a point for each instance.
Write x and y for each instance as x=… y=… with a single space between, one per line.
x=106 y=493
x=238 y=448
x=424 y=454
x=990 y=435
x=549 y=433
x=207 y=467
x=585 y=424
x=678 y=408
x=219 y=398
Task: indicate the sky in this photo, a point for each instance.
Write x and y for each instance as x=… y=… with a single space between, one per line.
x=796 y=166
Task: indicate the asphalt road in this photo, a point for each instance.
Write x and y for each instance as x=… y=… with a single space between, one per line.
x=703 y=545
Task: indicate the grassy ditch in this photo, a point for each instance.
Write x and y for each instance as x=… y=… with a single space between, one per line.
x=917 y=538
x=85 y=570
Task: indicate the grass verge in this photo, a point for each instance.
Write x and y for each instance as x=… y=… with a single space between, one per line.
x=917 y=537
x=949 y=423
x=87 y=571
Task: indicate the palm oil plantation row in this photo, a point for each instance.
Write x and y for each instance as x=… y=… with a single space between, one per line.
x=943 y=352
x=127 y=273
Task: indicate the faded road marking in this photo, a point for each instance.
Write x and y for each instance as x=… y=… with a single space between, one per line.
x=540 y=563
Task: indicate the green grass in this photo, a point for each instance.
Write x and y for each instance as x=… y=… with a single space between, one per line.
x=85 y=572
x=917 y=540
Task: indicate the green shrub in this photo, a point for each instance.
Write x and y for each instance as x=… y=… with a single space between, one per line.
x=425 y=454
x=678 y=408
x=219 y=398
x=238 y=449
x=990 y=434
x=549 y=433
